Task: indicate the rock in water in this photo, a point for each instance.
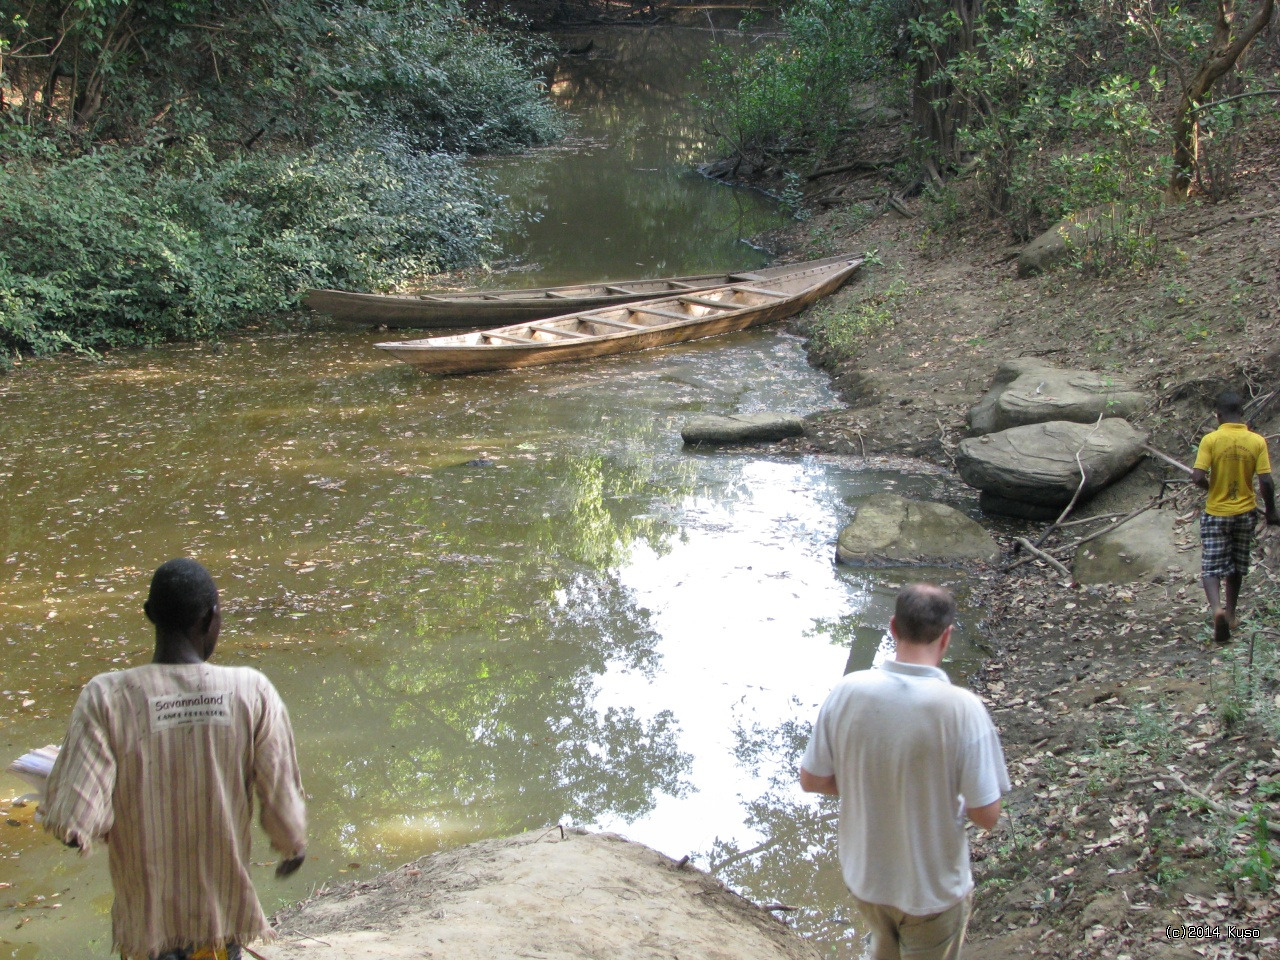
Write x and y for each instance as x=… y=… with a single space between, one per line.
x=892 y=529
x=1038 y=463
x=1025 y=390
x=742 y=428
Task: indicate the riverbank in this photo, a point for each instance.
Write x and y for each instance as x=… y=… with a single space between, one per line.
x=1143 y=755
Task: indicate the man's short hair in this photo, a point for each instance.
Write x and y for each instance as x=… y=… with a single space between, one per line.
x=182 y=594
x=922 y=612
x=1229 y=404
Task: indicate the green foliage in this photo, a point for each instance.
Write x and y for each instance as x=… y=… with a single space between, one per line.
x=124 y=247
x=429 y=70
x=1045 y=147
x=843 y=331
x=1259 y=859
x=1121 y=240
x=238 y=71
x=171 y=170
x=799 y=89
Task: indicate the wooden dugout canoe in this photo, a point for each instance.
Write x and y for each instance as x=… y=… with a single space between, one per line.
x=488 y=308
x=624 y=329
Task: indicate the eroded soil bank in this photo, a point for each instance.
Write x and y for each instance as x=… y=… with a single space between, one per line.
x=1144 y=818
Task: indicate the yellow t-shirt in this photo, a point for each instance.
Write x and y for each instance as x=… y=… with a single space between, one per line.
x=1232 y=455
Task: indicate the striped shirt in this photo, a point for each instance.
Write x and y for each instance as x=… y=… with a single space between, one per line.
x=162 y=761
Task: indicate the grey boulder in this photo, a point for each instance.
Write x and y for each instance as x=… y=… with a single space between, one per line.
x=892 y=529
x=1026 y=390
x=1038 y=464
x=742 y=428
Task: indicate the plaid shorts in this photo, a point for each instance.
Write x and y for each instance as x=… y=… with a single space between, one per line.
x=1226 y=542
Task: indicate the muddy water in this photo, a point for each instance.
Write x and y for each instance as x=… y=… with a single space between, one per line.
x=619 y=198
x=492 y=604
x=595 y=626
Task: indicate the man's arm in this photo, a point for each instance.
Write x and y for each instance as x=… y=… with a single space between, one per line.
x=985 y=817
x=1200 y=479
x=811 y=783
x=77 y=804
x=279 y=784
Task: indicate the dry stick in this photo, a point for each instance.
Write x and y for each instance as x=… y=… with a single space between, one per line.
x=1118 y=523
x=1224 y=771
x=1093 y=519
x=1093 y=536
x=1214 y=804
x=1166 y=458
x=1037 y=552
x=1084 y=478
x=1070 y=506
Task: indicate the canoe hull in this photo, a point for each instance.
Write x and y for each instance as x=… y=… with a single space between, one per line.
x=438 y=357
x=492 y=308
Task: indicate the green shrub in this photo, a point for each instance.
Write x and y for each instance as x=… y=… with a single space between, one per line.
x=799 y=89
x=126 y=246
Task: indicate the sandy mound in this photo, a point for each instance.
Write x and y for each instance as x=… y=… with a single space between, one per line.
x=545 y=895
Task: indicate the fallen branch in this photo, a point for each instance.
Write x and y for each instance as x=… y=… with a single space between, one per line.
x=1166 y=458
x=1215 y=805
x=1119 y=523
x=1084 y=478
x=1094 y=519
x=1040 y=554
x=1234 y=218
x=845 y=168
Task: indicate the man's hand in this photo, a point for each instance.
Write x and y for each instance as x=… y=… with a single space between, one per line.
x=288 y=867
x=1273 y=518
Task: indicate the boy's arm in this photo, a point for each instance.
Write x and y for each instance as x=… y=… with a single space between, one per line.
x=1268 y=488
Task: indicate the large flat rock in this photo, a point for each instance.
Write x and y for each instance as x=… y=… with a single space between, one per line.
x=1038 y=463
x=892 y=529
x=1025 y=390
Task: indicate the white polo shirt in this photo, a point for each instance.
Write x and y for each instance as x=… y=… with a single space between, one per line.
x=910 y=753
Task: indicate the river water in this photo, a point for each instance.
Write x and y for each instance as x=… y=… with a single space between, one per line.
x=492 y=604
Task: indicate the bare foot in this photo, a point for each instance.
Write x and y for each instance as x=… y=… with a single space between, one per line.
x=1221 y=627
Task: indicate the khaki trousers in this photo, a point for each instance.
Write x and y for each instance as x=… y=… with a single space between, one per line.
x=900 y=936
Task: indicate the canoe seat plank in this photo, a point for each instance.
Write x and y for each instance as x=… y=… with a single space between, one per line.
x=766 y=292
x=557 y=296
x=503 y=336
x=677 y=285
x=610 y=288
x=739 y=277
x=669 y=314
x=557 y=330
x=708 y=302
x=620 y=324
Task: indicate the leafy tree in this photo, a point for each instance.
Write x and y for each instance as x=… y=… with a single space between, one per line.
x=173 y=168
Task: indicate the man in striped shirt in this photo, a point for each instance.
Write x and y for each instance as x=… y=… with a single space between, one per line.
x=161 y=762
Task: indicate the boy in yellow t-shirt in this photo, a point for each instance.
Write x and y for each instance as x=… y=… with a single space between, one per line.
x=1228 y=460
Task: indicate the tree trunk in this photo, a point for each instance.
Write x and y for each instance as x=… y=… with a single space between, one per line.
x=937 y=112
x=1223 y=55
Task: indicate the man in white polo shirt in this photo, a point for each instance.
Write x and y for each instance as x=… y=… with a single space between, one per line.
x=911 y=757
